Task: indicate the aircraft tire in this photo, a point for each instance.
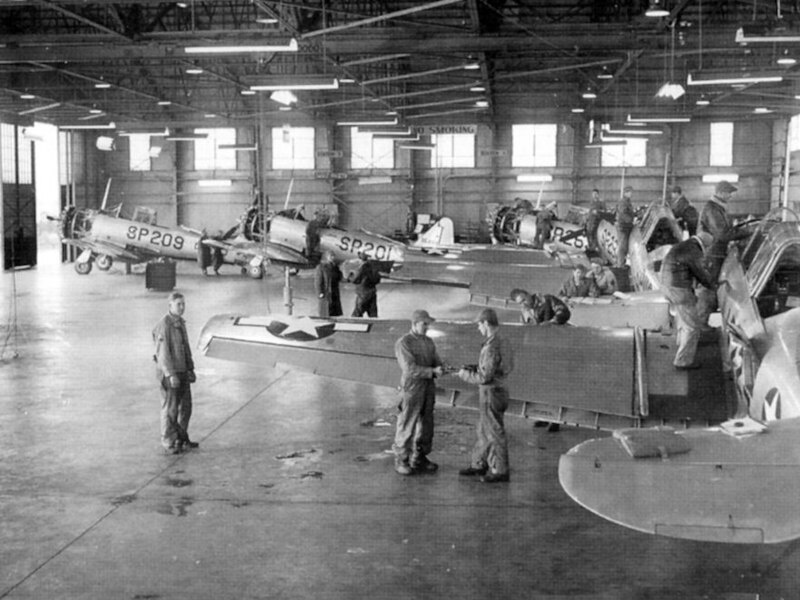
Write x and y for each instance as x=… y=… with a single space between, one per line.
x=256 y=272
x=83 y=268
x=104 y=262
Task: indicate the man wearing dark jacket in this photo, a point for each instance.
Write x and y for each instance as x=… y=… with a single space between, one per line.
x=326 y=282
x=367 y=279
x=684 y=212
x=682 y=266
x=715 y=220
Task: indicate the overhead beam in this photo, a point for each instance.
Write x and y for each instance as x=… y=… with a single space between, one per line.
x=383 y=17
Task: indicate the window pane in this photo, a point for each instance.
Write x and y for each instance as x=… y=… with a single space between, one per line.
x=534 y=145
x=9 y=156
x=631 y=154
x=139 y=152
x=721 y=145
x=794 y=133
x=453 y=150
x=292 y=148
x=367 y=152
x=208 y=156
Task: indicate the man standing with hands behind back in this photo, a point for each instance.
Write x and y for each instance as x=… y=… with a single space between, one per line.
x=175 y=370
x=495 y=363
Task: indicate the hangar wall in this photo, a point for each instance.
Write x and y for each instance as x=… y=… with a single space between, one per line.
x=680 y=156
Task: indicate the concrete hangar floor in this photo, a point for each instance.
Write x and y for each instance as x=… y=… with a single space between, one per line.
x=292 y=492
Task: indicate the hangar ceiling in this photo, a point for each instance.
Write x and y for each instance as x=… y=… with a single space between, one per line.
x=434 y=61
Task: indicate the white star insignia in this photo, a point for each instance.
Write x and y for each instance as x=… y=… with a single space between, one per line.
x=302 y=324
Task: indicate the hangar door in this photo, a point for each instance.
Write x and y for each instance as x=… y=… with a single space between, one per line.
x=19 y=198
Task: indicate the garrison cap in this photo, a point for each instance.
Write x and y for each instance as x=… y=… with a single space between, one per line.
x=725 y=187
x=676 y=189
x=627 y=188
x=489 y=316
x=421 y=316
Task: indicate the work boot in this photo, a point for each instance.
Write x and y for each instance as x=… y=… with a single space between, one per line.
x=425 y=466
x=472 y=471
x=190 y=444
x=496 y=478
x=403 y=468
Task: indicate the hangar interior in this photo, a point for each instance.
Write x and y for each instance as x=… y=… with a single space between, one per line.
x=394 y=108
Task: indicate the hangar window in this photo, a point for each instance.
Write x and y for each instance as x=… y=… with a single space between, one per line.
x=292 y=148
x=534 y=145
x=139 y=152
x=369 y=152
x=721 y=145
x=453 y=150
x=794 y=133
x=631 y=154
x=207 y=154
x=17 y=165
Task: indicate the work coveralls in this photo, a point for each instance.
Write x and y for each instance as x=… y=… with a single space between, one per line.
x=173 y=357
x=596 y=208
x=682 y=265
x=417 y=356
x=625 y=216
x=495 y=363
x=326 y=282
x=546 y=308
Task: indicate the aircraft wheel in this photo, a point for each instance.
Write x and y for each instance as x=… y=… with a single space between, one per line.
x=255 y=271
x=83 y=268
x=104 y=262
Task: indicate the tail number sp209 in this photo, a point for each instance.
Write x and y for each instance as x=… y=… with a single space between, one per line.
x=157 y=237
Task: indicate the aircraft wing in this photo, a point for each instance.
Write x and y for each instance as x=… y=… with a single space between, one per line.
x=461 y=267
x=242 y=251
x=543 y=384
x=112 y=250
x=738 y=482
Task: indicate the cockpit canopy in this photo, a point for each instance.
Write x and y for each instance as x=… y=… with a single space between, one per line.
x=773 y=273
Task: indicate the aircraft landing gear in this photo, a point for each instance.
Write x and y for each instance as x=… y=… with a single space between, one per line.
x=255 y=271
x=104 y=262
x=83 y=267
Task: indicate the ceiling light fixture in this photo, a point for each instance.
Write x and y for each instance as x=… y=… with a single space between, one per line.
x=656 y=10
x=366 y=122
x=102 y=85
x=607 y=128
x=194 y=71
x=27 y=96
x=284 y=97
x=589 y=94
x=477 y=88
x=164 y=102
x=671 y=90
x=578 y=110
x=786 y=60
x=247 y=92
x=291 y=46
x=294 y=82
x=428 y=147
x=703 y=101
x=266 y=20
x=760 y=34
x=605 y=74
x=659 y=118
x=111 y=125
x=762 y=110
x=709 y=78
x=186 y=137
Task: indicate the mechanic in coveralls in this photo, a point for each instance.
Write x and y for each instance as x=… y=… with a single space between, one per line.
x=420 y=364
x=495 y=363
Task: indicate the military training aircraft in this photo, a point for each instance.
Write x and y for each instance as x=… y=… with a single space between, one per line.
x=738 y=481
x=286 y=239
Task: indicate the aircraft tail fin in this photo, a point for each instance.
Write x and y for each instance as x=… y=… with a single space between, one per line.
x=440 y=234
